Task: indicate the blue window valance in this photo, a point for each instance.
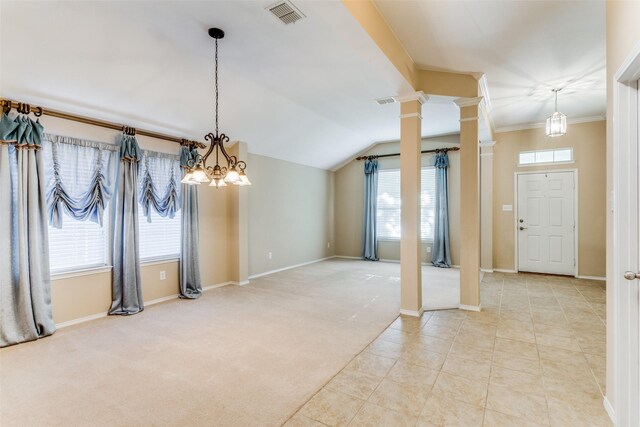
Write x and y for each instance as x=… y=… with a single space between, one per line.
x=81 y=178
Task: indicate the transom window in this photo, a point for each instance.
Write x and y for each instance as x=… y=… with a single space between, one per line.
x=558 y=155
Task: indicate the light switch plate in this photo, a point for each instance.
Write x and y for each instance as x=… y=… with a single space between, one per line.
x=507 y=208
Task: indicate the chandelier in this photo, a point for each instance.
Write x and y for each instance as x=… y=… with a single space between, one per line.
x=557 y=122
x=198 y=171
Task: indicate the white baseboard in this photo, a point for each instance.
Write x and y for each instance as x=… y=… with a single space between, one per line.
x=346 y=257
x=412 y=313
x=245 y=282
x=503 y=270
x=609 y=409
x=602 y=279
x=80 y=320
x=266 y=273
x=219 y=285
x=159 y=300
x=470 y=307
x=487 y=270
x=146 y=304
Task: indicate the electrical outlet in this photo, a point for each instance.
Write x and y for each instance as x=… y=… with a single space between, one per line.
x=163 y=275
x=428 y=249
x=270 y=255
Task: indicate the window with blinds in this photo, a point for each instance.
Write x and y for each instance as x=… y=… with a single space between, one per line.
x=160 y=238
x=388 y=213
x=79 y=244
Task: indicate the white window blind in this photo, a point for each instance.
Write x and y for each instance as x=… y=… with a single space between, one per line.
x=428 y=203
x=388 y=213
x=78 y=244
x=159 y=238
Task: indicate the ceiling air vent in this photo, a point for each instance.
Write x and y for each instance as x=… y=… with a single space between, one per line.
x=388 y=100
x=286 y=12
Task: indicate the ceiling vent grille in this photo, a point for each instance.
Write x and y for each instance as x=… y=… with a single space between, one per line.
x=388 y=100
x=286 y=12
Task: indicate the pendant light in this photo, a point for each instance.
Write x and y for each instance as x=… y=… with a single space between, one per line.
x=218 y=176
x=557 y=122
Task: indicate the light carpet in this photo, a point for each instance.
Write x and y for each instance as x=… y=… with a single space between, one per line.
x=238 y=356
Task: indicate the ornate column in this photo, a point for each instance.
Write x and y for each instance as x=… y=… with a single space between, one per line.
x=410 y=166
x=469 y=204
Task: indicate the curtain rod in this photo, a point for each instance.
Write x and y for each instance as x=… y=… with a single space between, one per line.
x=24 y=108
x=437 y=150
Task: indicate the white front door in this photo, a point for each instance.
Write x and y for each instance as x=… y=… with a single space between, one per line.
x=546 y=223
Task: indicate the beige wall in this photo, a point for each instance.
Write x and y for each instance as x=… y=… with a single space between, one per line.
x=81 y=296
x=349 y=200
x=623 y=33
x=290 y=214
x=588 y=142
x=287 y=211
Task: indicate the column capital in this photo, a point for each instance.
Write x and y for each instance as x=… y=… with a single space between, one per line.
x=487 y=144
x=468 y=102
x=416 y=96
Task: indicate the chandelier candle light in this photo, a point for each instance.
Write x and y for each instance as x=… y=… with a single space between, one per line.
x=219 y=176
x=557 y=122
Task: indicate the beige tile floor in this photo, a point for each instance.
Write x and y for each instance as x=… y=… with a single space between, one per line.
x=534 y=356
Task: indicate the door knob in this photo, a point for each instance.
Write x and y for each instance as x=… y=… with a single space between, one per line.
x=630 y=275
x=522 y=228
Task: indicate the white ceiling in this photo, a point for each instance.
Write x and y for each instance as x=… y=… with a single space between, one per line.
x=303 y=92
x=525 y=48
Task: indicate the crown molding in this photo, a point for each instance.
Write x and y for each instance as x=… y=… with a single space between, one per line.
x=417 y=96
x=468 y=102
x=538 y=125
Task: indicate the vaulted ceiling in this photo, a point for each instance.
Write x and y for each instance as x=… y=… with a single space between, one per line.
x=525 y=48
x=303 y=92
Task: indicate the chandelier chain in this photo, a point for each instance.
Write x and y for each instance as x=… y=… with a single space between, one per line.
x=217 y=93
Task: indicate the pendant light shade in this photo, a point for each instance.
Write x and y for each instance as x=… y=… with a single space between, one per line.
x=244 y=179
x=557 y=122
x=199 y=175
x=232 y=176
x=187 y=178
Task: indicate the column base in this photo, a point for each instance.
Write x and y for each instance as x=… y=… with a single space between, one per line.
x=470 y=307
x=412 y=313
